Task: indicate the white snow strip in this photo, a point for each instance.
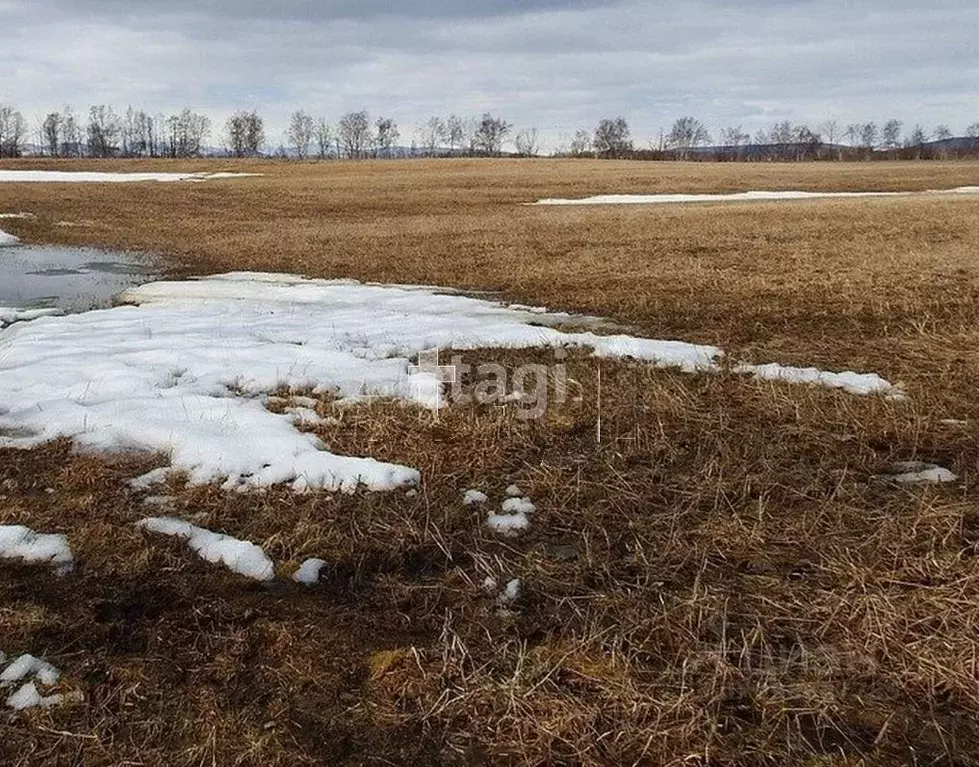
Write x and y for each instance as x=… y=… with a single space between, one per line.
x=509 y=525
x=29 y=697
x=22 y=543
x=11 y=314
x=855 y=383
x=518 y=506
x=913 y=472
x=186 y=372
x=474 y=497
x=651 y=199
x=304 y=416
x=25 y=216
x=82 y=177
x=28 y=666
x=238 y=556
x=6 y=240
x=510 y=594
x=309 y=571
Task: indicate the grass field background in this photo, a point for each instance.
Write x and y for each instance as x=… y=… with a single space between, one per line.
x=720 y=580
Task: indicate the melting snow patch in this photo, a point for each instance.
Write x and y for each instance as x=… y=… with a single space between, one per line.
x=80 y=177
x=29 y=666
x=912 y=472
x=651 y=199
x=854 y=383
x=238 y=556
x=514 y=492
x=509 y=525
x=309 y=571
x=474 y=497
x=7 y=239
x=304 y=416
x=22 y=543
x=518 y=506
x=187 y=370
x=27 y=695
x=10 y=315
x=506 y=598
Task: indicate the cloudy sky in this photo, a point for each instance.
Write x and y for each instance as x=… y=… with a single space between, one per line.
x=555 y=65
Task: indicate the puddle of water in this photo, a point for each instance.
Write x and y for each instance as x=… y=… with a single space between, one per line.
x=69 y=279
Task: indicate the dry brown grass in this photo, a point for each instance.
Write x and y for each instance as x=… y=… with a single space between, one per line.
x=720 y=581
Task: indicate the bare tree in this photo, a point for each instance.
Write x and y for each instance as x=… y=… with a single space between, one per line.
x=734 y=136
x=13 y=129
x=868 y=135
x=891 y=134
x=489 y=134
x=432 y=134
x=51 y=133
x=852 y=133
x=830 y=130
x=972 y=131
x=456 y=132
x=781 y=133
x=527 y=142
x=324 y=137
x=245 y=133
x=300 y=133
x=942 y=133
x=612 y=137
x=103 y=131
x=918 y=136
x=687 y=133
x=580 y=144
x=71 y=134
x=386 y=135
x=354 y=132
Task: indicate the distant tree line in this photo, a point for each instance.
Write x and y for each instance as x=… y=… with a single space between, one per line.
x=105 y=133
x=690 y=139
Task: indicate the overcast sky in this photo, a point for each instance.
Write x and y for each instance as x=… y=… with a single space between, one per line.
x=555 y=65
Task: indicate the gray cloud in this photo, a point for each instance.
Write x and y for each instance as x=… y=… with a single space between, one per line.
x=556 y=65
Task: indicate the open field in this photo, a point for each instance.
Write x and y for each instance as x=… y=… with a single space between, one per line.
x=721 y=579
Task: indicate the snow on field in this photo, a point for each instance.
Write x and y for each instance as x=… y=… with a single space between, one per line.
x=27 y=695
x=238 y=556
x=855 y=383
x=650 y=199
x=84 y=177
x=10 y=315
x=23 y=544
x=515 y=517
x=309 y=571
x=7 y=240
x=187 y=371
x=474 y=498
x=518 y=506
x=914 y=472
x=509 y=525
